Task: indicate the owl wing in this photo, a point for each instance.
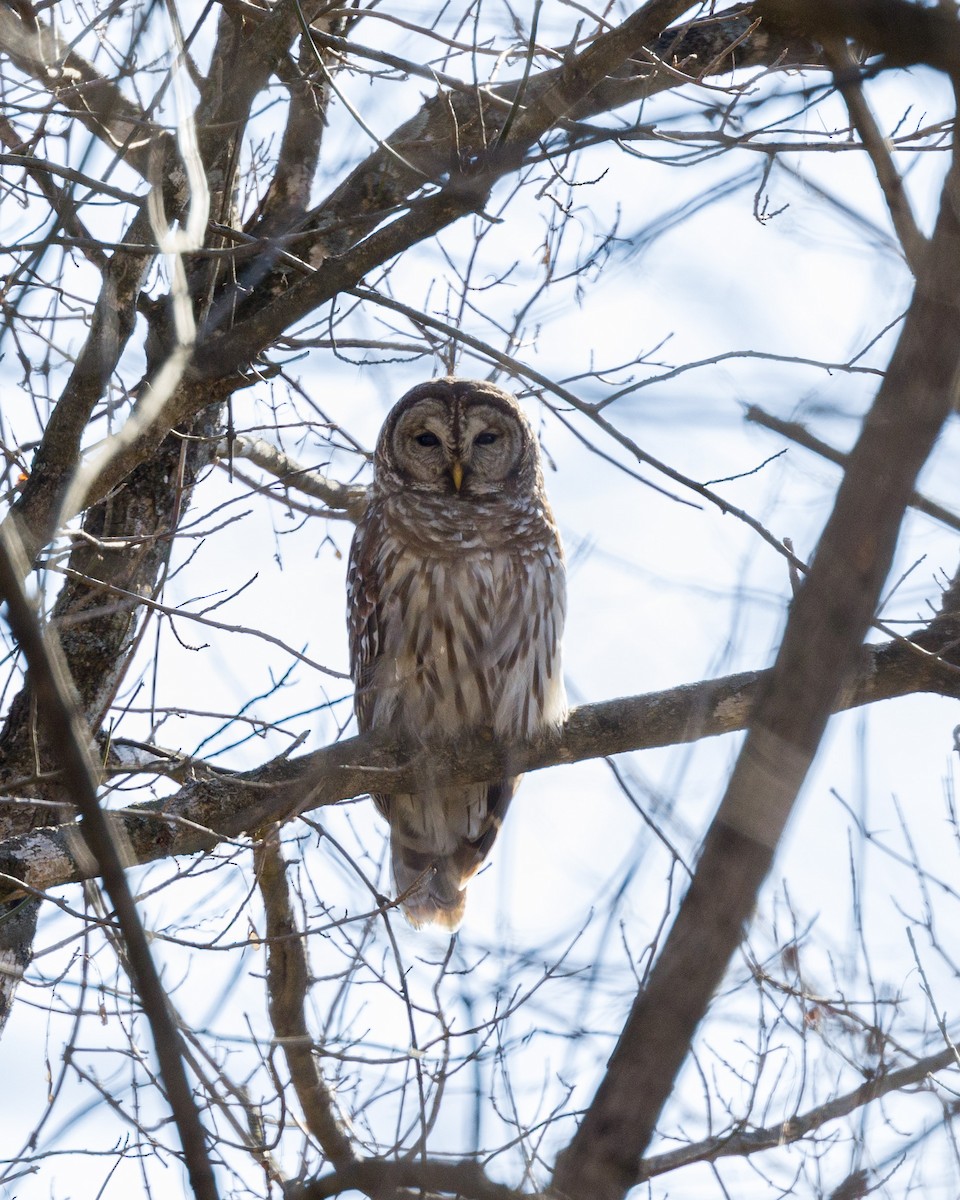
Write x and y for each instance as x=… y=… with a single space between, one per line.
x=363 y=618
x=474 y=850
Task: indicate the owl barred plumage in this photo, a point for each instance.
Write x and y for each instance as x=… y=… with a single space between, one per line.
x=456 y=598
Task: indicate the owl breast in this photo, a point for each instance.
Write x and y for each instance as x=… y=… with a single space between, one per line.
x=468 y=640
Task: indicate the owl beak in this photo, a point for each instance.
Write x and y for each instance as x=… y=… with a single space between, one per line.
x=456 y=473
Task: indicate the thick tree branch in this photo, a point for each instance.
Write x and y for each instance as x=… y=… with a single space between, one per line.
x=422 y=149
x=830 y=617
x=454 y=142
x=903 y=32
x=465 y=122
x=431 y=1179
x=243 y=61
x=96 y=102
x=288 y=196
x=213 y=806
x=349 y=499
x=451 y=138
x=121 y=559
x=558 y=95
x=247 y=54
x=59 y=717
x=246 y=289
x=18 y=926
x=127 y=541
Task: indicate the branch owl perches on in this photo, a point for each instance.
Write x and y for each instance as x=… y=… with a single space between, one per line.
x=456 y=600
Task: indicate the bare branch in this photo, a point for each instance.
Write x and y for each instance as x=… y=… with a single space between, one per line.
x=903 y=32
x=464 y=1180
x=350 y=499
x=379 y=1061
x=419 y=152
x=59 y=714
x=99 y=639
x=829 y=618
x=752 y=1141
x=346 y=213
x=96 y=102
x=217 y=805
x=797 y=432
x=288 y=979
x=846 y=75
x=38 y=507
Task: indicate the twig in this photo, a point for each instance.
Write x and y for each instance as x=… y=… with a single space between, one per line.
x=517 y=367
x=951 y=1051
x=744 y=1142
x=169 y=611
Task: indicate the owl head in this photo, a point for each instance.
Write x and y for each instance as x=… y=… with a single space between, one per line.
x=459 y=438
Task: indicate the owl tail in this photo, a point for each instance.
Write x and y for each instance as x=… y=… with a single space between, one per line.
x=432 y=888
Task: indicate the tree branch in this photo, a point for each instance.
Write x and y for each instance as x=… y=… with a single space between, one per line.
x=288 y=981
x=453 y=142
x=349 y=499
x=829 y=619
x=98 y=639
x=751 y=1141
x=373 y=190
x=798 y=432
x=38 y=507
x=464 y=1180
x=905 y=33
x=846 y=74
x=213 y=805
x=96 y=102
x=59 y=718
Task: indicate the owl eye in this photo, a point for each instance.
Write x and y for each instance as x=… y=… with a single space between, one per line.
x=486 y=439
x=427 y=439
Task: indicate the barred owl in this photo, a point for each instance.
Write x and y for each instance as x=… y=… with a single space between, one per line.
x=456 y=598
